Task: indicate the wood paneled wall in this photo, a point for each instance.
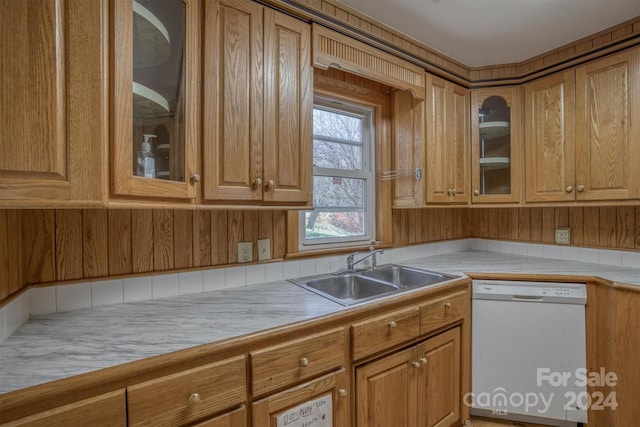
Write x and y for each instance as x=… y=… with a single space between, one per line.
x=609 y=227
x=40 y=245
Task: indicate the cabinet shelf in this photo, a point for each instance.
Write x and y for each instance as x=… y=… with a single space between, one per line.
x=151 y=41
x=493 y=163
x=149 y=106
x=490 y=130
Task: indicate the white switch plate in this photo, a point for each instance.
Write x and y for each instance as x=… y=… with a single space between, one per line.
x=563 y=235
x=245 y=251
x=264 y=249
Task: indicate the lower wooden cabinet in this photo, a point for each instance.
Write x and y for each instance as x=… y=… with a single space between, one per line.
x=419 y=386
x=108 y=410
x=237 y=418
x=321 y=398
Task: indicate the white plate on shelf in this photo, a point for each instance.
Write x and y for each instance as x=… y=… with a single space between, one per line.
x=151 y=44
x=493 y=163
x=149 y=107
x=490 y=130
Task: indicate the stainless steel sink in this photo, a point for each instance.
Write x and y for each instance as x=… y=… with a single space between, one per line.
x=350 y=288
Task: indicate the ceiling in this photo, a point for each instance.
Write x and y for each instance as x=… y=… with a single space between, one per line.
x=492 y=32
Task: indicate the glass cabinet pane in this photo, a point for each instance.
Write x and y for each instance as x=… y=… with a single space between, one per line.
x=495 y=146
x=159 y=89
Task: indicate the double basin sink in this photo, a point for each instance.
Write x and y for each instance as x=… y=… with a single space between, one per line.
x=353 y=287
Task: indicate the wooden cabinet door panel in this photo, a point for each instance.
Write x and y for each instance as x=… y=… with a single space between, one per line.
x=549 y=139
x=288 y=109
x=439 y=380
x=386 y=391
x=436 y=150
x=607 y=141
x=458 y=140
x=233 y=79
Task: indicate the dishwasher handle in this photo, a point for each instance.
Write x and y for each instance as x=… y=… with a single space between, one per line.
x=527 y=297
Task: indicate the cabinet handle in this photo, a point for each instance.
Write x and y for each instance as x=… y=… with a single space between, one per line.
x=194 y=399
x=580 y=188
x=449 y=191
x=392 y=324
x=423 y=360
x=415 y=364
x=476 y=192
x=342 y=392
x=569 y=189
x=195 y=178
x=271 y=184
x=447 y=305
x=304 y=362
x=453 y=192
x=257 y=183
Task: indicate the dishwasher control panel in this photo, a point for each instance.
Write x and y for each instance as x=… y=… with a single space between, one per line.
x=511 y=290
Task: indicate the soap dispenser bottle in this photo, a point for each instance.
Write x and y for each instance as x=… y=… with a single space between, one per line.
x=146 y=159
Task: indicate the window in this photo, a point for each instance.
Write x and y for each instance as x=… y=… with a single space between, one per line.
x=343 y=177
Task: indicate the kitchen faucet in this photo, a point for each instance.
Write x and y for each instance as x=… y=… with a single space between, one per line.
x=372 y=254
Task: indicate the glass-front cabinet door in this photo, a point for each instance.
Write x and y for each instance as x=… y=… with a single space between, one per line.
x=155 y=48
x=495 y=141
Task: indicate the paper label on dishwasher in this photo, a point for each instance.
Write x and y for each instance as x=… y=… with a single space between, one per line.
x=313 y=413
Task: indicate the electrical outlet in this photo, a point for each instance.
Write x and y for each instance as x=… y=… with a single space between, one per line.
x=264 y=249
x=563 y=235
x=245 y=251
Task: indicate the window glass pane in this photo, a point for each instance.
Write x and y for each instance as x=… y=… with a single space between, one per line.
x=336 y=125
x=336 y=155
x=322 y=225
x=337 y=192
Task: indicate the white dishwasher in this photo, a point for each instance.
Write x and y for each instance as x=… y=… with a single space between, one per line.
x=529 y=351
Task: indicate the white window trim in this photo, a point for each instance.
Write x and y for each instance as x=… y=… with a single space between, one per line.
x=367 y=173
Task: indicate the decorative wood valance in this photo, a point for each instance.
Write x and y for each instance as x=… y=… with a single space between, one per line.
x=332 y=49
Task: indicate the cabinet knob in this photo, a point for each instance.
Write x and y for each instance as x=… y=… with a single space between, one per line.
x=449 y=191
x=342 y=392
x=569 y=189
x=392 y=324
x=271 y=184
x=580 y=188
x=257 y=183
x=195 y=178
x=476 y=192
x=304 y=362
x=195 y=398
x=423 y=360
x=447 y=305
x=453 y=192
x=415 y=364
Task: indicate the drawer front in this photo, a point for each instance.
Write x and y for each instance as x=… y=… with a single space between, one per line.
x=379 y=333
x=288 y=363
x=444 y=310
x=189 y=395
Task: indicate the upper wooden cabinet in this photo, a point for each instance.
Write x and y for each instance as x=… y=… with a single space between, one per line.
x=155 y=92
x=258 y=104
x=496 y=149
x=52 y=114
x=582 y=133
x=447 y=148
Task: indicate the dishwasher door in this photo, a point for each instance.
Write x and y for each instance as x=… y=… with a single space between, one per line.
x=529 y=351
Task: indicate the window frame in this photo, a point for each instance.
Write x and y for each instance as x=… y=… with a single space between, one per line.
x=367 y=113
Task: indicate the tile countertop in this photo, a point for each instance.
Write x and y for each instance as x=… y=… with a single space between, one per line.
x=60 y=345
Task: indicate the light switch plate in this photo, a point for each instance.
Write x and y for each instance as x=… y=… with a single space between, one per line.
x=245 y=251
x=563 y=235
x=264 y=249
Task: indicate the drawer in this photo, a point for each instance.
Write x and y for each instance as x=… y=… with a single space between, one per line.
x=444 y=310
x=373 y=335
x=190 y=395
x=285 y=364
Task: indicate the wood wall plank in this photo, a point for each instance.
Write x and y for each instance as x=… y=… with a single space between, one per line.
x=591 y=226
x=235 y=233
x=576 y=223
x=638 y=227
x=536 y=224
x=119 y=227
x=279 y=234
x=265 y=228
x=95 y=243
x=548 y=225
x=142 y=240
x=524 y=225
x=607 y=226
x=202 y=238
x=183 y=239
x=250 y=230
x=625 y=227
x=38 y=245
x=68 y=244
x=219 y=238
x=163 y=240
x=10 y=242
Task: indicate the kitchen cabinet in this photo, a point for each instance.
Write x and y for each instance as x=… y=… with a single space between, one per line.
x=155 y=91
x=52 y=118
x=496 y=150
x=419 y=386
x=258 y=105
x=89 y=411
x=447 y=147
x=581 y=132
x=191 y=395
